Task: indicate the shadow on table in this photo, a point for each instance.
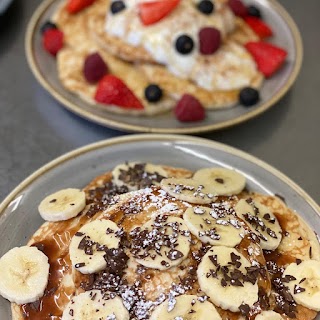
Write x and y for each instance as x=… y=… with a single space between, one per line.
x=11 y=23
x=69 y=126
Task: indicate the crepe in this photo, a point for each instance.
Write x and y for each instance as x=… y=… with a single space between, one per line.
x=132 y=209
x=85 y=33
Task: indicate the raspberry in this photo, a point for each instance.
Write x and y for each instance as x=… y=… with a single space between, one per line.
x=94 y=68
x=189 y=109
x=210 y=40
x=238 y=8
x=52 y=41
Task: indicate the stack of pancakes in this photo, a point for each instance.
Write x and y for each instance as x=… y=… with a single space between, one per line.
x=132 y=196
x=215 y=80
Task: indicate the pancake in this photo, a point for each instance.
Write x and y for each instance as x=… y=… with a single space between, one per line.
x=108 y=198
x=215 y=81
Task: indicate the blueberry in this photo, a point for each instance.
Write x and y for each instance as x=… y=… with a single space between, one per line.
x=254 y=11
x=184 y=44
x=48 y=25
x=206 y=6
x=153 y=93
x=249 y=96
x=117 y=6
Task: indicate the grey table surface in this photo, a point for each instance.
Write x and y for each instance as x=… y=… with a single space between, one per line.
x=35 y=129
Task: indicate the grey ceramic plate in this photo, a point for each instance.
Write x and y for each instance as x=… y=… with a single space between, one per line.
x=287 y=36
x=18 y=213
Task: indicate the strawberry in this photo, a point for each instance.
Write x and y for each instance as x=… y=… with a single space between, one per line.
x=259 y=27
x=52 y=41
x=189 y=109
x=75 y=6
x=112 y=90
x=238 y=8
x=152 y=12
x=269 y=58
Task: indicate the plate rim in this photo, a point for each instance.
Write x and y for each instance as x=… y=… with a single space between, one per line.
x=73 y=107
x=147 y=138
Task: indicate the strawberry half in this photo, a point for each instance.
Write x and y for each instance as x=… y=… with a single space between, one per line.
x=269 y=58
x=112 y=90
x=259 y=27
x=152 y=12
x=75 y=6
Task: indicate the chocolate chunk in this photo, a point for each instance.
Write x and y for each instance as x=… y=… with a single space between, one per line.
x=79 y=265
x=219 y=180
x=280 y=197
x=79 y=234
x=297 y=289
x=116 y=260
x=244 y=309
x=53 y=200
x=214 y=260
x=223 y=283
x=174 y=254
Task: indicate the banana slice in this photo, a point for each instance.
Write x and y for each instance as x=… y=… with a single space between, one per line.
x=62 y=205
x=93 y=305
x=217 y=226
x=24 y=274
x=304 y=283
x=188 y=190
x=224 y=182
x=88 y=244
x=185 y=307
x=136 y=175
x=161 y=243
x=226 y=277
x=268 y=315
x=261 y=221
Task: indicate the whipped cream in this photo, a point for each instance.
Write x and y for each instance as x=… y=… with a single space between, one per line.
x=231 y=67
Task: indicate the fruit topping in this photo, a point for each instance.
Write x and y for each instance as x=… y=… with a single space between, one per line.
x=269 y=58
x=117 y=6
x=259 y=27
x=184 y=44
x=210 y=40
x=189 y=109
x=48 y=25
x=152 y=12
x=112 y=90
x=249 y=96
x=94 y=68
x=52 y=41
x=238 y=8
x=153 y=93
x=75 y=6
x=254 y=11
x=206 y=6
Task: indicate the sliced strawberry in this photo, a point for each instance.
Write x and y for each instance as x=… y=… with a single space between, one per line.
x=269 y=58
x=75 y=6
x=152 y=12
x=259 y=27
x=112 y=90
x=52 y=41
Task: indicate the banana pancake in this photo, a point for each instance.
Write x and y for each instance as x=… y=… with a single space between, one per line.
x=156 y=242
x=215 y=80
